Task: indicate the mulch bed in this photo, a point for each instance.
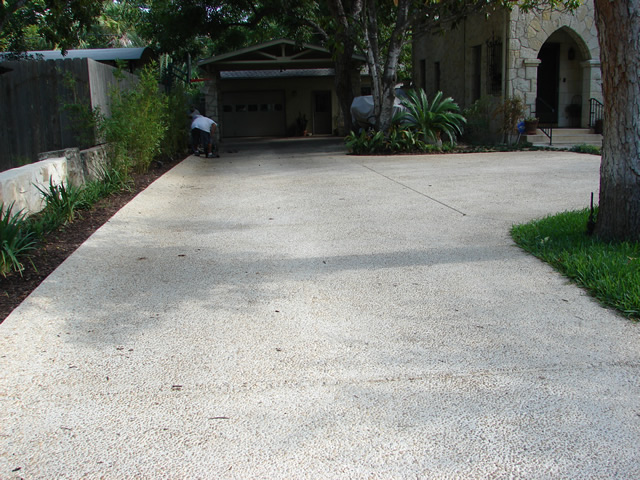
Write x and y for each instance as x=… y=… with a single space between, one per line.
x=14 y=288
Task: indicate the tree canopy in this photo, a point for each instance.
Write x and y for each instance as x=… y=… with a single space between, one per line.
x=58 y=22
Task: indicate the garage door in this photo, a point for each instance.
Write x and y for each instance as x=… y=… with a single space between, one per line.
x=253 y=114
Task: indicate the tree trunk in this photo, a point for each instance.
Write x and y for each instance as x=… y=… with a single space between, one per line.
x=344 y=83
x=345 y=46
x=618 y=24
x=384 y=78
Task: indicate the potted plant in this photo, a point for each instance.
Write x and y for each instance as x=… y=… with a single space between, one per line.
x=531 y=125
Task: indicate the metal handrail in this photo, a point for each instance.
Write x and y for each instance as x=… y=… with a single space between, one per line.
x=548 y=129
x=596 y=111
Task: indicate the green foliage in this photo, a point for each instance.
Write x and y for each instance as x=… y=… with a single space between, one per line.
x=399 y=140
x=609 y=271
x=116 y=26
x=83 y=120
x=365 y=143
x=57 y=22
x=176 y=137
x=509 y=112
x=137 y=124
x=433 y=120
x=584 y=148
x=111 y=181
x=16 y=240
x=479 y=116
x=62 y=202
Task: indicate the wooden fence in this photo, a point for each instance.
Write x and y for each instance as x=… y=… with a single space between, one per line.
x=44 y=104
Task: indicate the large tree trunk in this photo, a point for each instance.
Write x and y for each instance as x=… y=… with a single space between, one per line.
x=618 y=24
x=384 y=77
x=344 y=83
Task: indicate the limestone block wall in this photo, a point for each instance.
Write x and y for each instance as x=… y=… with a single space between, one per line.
x=20 y=185
x=527 y=34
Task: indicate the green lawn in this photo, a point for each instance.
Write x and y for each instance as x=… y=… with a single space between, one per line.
x=609 y=271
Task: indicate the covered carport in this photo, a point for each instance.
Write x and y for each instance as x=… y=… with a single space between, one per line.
x=277 y=88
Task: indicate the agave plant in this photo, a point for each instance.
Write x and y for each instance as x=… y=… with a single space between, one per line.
x=439 y=118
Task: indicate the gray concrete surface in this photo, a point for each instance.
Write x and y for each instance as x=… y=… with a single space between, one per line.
x=287 y=311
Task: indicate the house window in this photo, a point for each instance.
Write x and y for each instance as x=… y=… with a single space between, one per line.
x=494 y=66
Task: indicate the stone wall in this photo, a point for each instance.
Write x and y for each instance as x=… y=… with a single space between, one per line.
x=461 y=56
x=527 y=34
x=20 y=186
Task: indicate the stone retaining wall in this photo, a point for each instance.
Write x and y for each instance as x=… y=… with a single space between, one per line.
x=20 y=185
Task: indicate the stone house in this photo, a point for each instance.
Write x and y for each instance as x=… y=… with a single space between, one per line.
x=549 y=58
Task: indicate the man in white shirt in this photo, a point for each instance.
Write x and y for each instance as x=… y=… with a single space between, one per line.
x=202 y=132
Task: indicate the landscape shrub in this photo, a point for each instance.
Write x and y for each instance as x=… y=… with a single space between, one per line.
x=509 y=112
x=175 y=140
x=16 y=240
x=584 y=148
x=479 y=128
x=137 y=124
x=432 y=120
x=62 y=202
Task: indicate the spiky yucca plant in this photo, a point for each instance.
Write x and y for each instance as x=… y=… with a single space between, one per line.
x=439 y=118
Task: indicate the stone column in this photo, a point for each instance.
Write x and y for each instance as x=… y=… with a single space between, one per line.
x=211 y=100
x=531 y=75
x=591 y=87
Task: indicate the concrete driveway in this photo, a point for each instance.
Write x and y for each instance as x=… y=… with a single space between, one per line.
x=287 y=311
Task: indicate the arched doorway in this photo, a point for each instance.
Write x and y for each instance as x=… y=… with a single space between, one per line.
x=560 y=86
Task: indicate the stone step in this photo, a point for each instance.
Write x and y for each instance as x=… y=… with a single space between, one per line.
x=566 y=137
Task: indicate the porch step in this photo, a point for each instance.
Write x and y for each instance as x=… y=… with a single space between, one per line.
x=565 y=137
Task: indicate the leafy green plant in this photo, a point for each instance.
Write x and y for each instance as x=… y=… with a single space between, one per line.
x=479 y=130
x=176 y=136
x=83 y=119
x=16 y=240
x=366 y=142
x=62 y=202
x=399 y=140
x=584 y=148
x=509 y=112
x=609 y=271
x=111 y=180
x=137 y=124
x=434 y=120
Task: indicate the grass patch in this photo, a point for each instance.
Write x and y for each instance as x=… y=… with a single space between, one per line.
x=609 y=271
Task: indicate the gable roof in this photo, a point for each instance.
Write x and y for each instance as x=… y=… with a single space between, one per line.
x=276 y=54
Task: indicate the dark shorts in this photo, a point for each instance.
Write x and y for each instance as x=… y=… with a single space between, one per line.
x=205 y=138
x=199 y=137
